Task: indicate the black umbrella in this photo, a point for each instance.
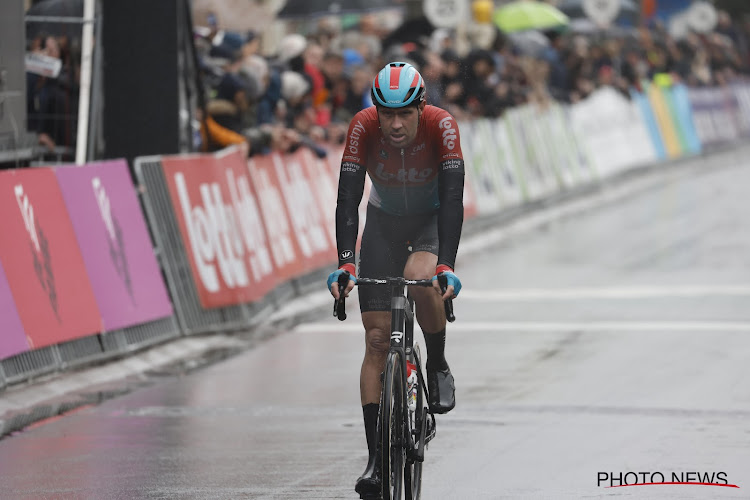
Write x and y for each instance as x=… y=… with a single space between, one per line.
x=312 y=8
x=54 y=8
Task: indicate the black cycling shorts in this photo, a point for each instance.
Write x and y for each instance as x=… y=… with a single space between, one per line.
x=387 y=242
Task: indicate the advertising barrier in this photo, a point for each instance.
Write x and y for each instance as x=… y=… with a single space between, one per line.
x=12 y=338
x=714 y=115
x=613 y=132
x=325 y=191
x=741 y=93
x=649 y=120
x=214 y=205
x=679 y=107
x=285 y=197
x=42 y=261
x=115 y=243
x=665 y=121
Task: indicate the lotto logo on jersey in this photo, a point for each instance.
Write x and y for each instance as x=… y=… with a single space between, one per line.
x=449 y=132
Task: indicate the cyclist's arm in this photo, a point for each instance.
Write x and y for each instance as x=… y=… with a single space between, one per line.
x=351 y=188
x=450 y=191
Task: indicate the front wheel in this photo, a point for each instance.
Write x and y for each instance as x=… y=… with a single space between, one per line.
x=392 y=429
x=417 y=423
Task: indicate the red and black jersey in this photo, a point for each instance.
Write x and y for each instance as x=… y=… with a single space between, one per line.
x=424 y=177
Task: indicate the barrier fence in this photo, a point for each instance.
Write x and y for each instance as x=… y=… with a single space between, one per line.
x=93 y=267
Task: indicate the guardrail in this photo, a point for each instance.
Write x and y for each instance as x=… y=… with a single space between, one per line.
x=93 y=267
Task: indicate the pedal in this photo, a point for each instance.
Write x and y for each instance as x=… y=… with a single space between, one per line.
x=431 y=428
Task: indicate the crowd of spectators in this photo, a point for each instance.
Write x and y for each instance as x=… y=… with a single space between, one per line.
x=309 y=89
x=312 y=87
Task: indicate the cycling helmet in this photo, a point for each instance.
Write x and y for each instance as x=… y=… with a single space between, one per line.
x=397 y=85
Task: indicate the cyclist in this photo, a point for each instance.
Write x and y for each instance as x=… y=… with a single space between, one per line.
x=412 y=153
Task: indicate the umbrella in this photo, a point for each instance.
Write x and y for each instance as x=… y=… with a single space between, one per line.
x=523 y=15
x=530 y=42
x=54 y=8
x=628 y=15
x=308 y=8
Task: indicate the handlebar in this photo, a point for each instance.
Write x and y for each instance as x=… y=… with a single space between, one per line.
x=339 y=305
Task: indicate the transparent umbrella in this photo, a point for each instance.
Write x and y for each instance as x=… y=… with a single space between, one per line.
x=530 y=42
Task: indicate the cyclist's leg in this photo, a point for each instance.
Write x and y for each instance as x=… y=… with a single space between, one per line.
x=379 y=256
x=431 y=317
x=383 y=253
x=421 y=266
x=377 y=341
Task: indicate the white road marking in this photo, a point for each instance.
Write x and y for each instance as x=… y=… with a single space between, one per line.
x=354 y=326
x=590 y=293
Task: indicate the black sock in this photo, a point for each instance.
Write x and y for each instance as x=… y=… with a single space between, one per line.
x=370 y=414
x=436 y=350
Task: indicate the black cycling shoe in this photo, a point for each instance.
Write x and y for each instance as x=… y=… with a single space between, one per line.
x=369 y=484
x=442 y=390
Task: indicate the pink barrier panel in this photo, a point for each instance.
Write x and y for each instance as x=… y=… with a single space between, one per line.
x=221 y=227
x=42 y=261
x=115 y=243
x=12 y=338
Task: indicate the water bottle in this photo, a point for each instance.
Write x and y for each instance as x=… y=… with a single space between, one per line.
x=411 y=384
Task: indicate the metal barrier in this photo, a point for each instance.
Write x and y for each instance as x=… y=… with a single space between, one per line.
x=30 y=364
x=170 y=250
x=139 y=336
x=85 y=350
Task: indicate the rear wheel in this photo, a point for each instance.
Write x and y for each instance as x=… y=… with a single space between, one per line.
x=392 y=436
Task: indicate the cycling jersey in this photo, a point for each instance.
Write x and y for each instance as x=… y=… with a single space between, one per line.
x=426 y=176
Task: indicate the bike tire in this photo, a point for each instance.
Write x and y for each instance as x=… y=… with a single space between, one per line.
x=392 y=429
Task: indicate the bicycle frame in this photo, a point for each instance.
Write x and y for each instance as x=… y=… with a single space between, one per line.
x=413 y=436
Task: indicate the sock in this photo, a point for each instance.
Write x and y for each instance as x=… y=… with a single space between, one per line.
x=436 y=350
x=370 y=414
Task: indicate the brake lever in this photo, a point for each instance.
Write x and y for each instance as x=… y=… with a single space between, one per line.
x=448 y=303
x=339 y=305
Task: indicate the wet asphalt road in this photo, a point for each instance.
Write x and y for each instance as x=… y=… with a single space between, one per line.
x=611 y=342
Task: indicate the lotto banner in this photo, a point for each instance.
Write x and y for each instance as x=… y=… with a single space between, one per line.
x=12 y=338
x=42 y=261
x=218 y=215
x=293 y=175
x=325 y=190
x=115 y=243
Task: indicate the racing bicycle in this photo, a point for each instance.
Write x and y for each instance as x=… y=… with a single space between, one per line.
x=405 y=423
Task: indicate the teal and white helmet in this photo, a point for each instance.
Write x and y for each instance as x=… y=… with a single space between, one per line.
x=397 y=85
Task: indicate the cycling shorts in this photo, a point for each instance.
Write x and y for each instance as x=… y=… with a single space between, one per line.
x=387 y=242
